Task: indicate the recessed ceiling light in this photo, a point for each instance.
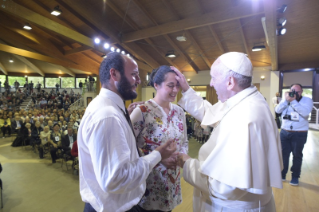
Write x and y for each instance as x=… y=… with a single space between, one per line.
x=27 y=27
x=170 y=54
x=56 y=11
x=10 y=60
x=106 y=45
x=112 y=49
x=97 y=40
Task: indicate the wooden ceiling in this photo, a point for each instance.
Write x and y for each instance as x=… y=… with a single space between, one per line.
x=147 y=30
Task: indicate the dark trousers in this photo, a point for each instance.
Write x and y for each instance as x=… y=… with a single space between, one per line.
x=89 y=208
x=278 y=121
x=292 y=142
x=53 y=153
x=6 y=129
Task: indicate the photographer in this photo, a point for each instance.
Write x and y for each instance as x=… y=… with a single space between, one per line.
x=294 y=109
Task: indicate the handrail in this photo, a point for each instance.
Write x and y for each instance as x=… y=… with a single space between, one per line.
x=77 y=104
x=317 y=112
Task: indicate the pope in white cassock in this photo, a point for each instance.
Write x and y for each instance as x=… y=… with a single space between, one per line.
x=241 y=162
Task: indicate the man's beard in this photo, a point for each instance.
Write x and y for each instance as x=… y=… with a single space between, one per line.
x=125 y=89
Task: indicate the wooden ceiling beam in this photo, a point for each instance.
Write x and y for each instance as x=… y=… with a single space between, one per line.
x=65 y=70
x=271 y=28
x=26 y=14
x=134 y=26
x=185 y=56
x=229 y=14
x=29 y=63
x=3 y=69
x=169 y=40
x=199 y=49
x=93 y=18
x=77 y=50
x=216 y=38
x=243 y=38
x=33 y=55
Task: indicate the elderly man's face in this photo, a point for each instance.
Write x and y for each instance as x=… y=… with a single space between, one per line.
x=219 y=82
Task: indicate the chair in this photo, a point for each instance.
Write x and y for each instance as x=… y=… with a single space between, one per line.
x=65 y=159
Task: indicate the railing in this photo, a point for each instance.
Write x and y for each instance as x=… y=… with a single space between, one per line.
x=314 y=122
x=77 y=104
x=89 y=87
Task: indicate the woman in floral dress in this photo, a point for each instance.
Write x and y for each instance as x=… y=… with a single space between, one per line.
x=155 y=122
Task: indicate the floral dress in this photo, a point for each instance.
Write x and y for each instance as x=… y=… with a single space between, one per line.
x=154 y=127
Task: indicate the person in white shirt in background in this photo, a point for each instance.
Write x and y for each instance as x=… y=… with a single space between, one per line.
x=155 y=121
x=112 y=174
x=275 y=102
x=241 y=161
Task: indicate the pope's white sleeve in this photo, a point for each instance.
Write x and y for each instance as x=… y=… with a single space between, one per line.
x=192 y=175
x=193 y=104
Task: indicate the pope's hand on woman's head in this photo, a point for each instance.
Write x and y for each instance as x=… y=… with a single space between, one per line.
x=181 y=79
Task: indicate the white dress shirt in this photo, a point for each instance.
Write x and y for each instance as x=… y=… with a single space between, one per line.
x=112 y=175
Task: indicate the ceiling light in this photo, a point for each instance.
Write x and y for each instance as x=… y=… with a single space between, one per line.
x=282 y=31
x=10 y=60
x=56 y=11
x=282 y=9
x=281 y=22
x=258 y=48
x=112 y=49
x=128 y=55
x=123 y=52
x=106 y=45
x=97 y=40
x=27 y=27
x=262 y=77
x=181 y=38
x=118 y=50
x=170 y=54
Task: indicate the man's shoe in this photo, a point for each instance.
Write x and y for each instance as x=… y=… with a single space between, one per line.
x=294 y=181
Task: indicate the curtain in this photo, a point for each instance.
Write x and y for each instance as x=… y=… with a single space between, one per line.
x=211 y=95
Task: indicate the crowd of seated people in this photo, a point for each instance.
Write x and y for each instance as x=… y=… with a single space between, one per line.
x=11 y=101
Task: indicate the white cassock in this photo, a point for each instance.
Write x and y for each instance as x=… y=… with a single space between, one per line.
x=241 y=161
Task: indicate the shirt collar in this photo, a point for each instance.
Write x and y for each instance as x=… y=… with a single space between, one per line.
x=113 y=97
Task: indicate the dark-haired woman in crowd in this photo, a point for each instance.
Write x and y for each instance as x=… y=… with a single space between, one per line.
x=156 y=122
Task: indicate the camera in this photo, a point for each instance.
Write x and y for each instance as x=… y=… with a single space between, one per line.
x=292 y=93
x=287 y=117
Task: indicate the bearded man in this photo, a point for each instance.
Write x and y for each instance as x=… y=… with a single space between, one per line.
x=112 y=175
x=241 y=162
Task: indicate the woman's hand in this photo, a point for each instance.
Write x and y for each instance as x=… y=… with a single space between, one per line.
x=170 y=163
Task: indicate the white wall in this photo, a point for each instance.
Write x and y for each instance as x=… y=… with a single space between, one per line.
x=304 y=78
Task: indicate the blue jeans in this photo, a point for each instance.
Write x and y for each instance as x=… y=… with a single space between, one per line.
x=292 y=142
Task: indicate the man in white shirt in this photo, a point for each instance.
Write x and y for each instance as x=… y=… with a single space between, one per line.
x=112 y=175
x=241 y=162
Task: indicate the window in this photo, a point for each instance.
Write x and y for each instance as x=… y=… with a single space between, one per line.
x=2 y=79
x=20 y=80
x=78 y=81
x=51 y=82
x=67 y=82
x=35 y=81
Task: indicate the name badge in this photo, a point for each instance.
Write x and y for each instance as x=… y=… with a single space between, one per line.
x=294 y=116
x=57 y=138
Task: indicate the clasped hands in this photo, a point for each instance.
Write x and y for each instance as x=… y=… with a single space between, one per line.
x=176 y=159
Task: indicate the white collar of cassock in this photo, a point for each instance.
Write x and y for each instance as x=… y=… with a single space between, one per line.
x=215 y=113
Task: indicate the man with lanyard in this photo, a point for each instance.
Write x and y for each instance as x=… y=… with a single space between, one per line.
x=55 y=141
x=295 y=110
x=68 y=140
x=241 y=161
x=112 y=173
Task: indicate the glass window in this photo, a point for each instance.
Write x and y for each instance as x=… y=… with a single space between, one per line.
x=67 y=82
x=20 y=80
x=51 y=82
x=35 y=81
x=201 y=93
x=2 y=79
x=78 y=81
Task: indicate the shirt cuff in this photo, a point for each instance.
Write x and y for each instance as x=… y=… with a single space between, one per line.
x=153 y=158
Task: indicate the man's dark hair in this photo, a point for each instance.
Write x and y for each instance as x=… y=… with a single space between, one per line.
x=113 y=60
